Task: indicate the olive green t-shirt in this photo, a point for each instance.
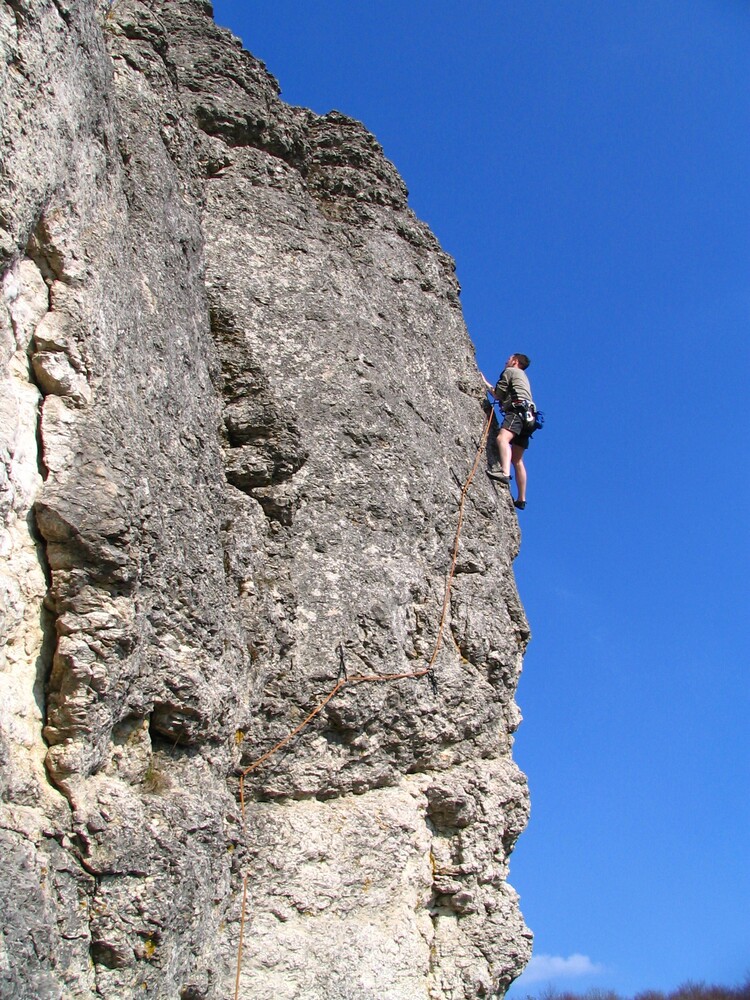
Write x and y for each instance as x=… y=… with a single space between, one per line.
x=513 y=384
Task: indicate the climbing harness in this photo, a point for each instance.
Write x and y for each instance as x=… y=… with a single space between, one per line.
x=533 y=419
x=345 y=679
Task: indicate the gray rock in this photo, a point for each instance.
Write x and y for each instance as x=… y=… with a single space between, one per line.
x=238 y=403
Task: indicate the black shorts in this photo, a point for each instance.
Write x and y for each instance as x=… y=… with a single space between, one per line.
x=514 y=423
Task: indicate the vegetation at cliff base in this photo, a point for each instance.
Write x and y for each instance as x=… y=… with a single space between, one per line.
x=688 y=991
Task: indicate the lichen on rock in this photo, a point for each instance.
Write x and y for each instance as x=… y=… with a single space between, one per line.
x=238 y=404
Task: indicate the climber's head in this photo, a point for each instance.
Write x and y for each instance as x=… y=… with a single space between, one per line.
x=518 y=361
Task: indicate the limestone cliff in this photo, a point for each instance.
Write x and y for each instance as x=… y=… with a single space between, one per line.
x=238 y=402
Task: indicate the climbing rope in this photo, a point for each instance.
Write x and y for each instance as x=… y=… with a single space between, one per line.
x=344 y=680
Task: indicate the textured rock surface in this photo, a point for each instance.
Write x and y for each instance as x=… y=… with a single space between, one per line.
x=237 y=403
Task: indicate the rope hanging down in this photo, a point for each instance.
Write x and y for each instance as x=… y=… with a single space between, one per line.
x=345 y=680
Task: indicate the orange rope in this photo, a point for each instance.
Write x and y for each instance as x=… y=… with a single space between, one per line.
x=367 y=678
x=287 y=739
x=374 y=678
x=451 y=572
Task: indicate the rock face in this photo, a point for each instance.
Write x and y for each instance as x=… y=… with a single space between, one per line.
x=238 y=403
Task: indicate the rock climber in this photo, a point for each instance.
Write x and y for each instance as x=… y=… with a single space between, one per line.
x=513 y=393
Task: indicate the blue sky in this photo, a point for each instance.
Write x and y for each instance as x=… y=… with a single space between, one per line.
x=587 y=163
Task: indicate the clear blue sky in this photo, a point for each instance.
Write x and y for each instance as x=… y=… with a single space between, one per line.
x=587 y=163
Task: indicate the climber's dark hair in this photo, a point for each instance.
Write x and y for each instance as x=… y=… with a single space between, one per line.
x=523 y=361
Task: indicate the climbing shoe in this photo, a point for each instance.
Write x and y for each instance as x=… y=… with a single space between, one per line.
x=497 y=473
x=519 y=504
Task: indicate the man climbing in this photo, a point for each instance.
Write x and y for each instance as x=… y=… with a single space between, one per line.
x=513 y=393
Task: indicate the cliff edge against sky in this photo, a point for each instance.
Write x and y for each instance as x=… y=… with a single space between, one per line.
x=238 y=402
